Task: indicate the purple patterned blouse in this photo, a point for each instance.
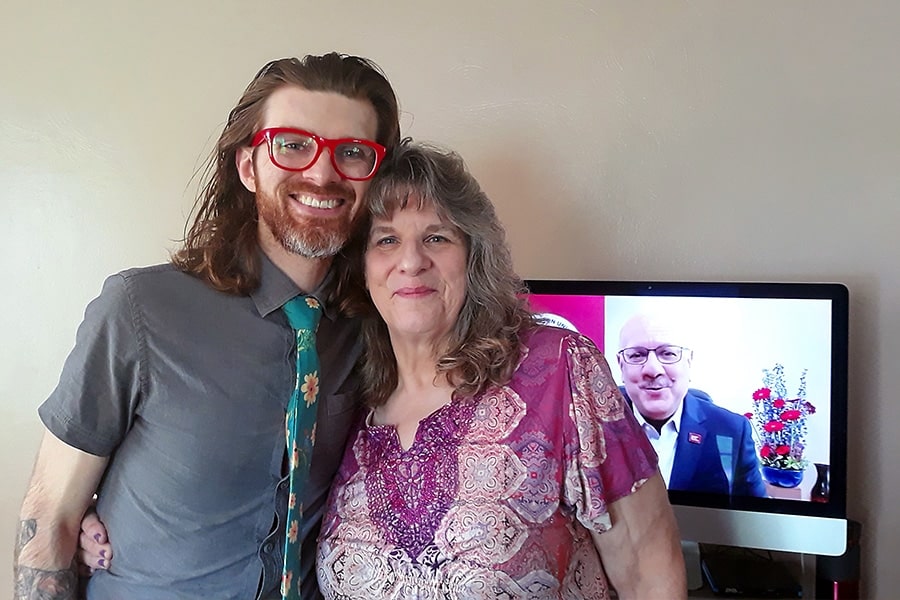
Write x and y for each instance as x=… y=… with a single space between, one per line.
x=497 y=495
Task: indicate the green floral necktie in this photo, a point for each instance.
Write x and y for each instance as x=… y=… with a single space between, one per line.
x=303 y=314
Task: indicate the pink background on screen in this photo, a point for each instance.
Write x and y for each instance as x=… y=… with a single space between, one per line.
x=584 y=312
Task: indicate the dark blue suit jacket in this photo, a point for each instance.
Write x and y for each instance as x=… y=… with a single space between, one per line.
x=715 y=451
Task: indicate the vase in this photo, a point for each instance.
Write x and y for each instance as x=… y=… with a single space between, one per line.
x=822 y=487
x=786 y=478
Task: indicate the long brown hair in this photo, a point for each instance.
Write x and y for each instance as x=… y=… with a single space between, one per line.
x=484 y=345
x=221 y=245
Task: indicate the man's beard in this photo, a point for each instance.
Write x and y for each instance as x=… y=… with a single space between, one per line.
x=310 y=237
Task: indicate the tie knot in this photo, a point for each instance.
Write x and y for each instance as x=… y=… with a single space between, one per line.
x=303 y=312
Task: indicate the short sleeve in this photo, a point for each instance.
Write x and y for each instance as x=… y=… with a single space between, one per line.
x=96 y=399
x=608 y=456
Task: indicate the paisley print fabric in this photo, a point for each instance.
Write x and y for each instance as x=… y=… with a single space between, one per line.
x=498 y=494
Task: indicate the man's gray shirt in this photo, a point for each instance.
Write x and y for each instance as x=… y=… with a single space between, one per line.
x=185 y=389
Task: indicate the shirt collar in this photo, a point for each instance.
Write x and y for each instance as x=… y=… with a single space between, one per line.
x=675 y=419
x=276 y=288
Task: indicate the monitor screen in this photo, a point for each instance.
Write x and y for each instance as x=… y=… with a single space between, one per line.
x=741 y=388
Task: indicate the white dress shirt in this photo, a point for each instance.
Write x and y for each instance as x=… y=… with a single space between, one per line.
x=663 y=441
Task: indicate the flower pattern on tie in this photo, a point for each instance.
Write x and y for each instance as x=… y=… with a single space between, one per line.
x=303 y=313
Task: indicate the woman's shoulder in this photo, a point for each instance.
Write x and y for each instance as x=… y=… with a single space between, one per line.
x=549 y=347
x=543 y=334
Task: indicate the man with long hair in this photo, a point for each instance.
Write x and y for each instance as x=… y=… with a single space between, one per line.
x=171 y=406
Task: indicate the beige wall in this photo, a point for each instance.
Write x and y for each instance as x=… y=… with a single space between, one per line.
x=670 y=139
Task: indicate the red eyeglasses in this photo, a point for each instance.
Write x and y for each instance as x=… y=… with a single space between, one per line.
x=297 y=150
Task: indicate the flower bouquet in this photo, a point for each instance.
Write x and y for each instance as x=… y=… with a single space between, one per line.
x=780 y=424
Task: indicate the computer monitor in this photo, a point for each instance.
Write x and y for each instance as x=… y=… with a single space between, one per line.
x=773 y=353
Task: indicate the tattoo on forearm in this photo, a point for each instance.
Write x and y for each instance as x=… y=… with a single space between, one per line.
x=39 y=584
x=27 y=529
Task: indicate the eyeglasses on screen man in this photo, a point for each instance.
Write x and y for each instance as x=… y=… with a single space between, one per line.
x=667 y=354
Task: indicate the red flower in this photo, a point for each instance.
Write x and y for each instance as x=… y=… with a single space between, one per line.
x=286 y=582
x=748 y=415
x=790 y=415
x=765 y=451
x=762 y=394
x=773 y=426
x=783 y=450
x=778 y=403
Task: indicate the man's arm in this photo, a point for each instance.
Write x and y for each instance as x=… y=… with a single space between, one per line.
x=61 y=489
x=641 y=553
x=748 y=479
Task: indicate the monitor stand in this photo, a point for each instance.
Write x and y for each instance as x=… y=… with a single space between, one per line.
x=691 y=552
x=741 y=572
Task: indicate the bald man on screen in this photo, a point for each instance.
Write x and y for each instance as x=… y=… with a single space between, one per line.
x=702 y=447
